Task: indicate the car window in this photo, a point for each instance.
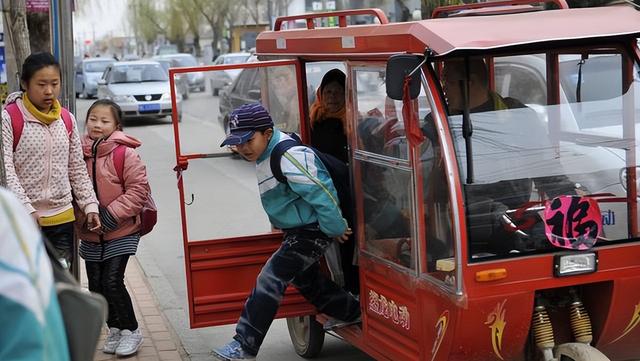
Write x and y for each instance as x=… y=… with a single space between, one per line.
x=186 y=61
x=235 y=59
x=138 y=73
x=96 y=66
x=599 y=74
x=243 y=83
x=522 y=82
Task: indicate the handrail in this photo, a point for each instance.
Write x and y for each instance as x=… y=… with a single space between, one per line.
x=342 y=17
x=562 y=4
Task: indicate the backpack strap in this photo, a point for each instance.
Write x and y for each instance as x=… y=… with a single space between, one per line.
x=118 y=161
x=276 y=157
x=17 y=122
x=66 y=119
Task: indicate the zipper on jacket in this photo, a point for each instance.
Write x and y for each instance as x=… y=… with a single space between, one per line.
x=94 y=156
x=48 y=170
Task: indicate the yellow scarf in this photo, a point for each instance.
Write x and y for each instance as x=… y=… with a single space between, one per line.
x=46 y=118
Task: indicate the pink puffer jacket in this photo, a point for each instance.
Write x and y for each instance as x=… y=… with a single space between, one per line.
x=123 y=201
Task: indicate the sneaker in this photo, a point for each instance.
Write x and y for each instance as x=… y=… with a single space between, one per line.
x=129 y=342
x=334 y=323
x=232 y=351
x=112 y=341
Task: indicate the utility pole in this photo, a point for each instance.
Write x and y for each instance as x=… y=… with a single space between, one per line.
x=62 y=47
x=60 y=18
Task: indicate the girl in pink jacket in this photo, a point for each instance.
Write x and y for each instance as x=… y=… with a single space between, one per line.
x=121 y=197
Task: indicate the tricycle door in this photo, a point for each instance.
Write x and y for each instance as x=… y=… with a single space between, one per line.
x=395 y=180
x=227 y=236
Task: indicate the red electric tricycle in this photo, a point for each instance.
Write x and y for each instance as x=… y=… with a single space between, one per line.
x=506 y=230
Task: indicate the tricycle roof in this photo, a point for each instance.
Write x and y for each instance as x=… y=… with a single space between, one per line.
x=445 y=36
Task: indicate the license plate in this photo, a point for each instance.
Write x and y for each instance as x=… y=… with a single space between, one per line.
x=148 y=108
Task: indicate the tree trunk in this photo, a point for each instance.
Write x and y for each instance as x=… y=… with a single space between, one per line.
x=39 y=32
x=196 y=45
x=17 y=34
x=214 y=43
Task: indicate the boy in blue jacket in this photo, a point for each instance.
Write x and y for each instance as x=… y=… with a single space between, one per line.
x=306 y=208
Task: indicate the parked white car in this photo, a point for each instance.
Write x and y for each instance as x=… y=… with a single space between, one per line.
x=141 y=88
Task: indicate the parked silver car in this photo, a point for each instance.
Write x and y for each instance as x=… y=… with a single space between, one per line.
x=181 y=80
x=141 y=88
x=220 y=79
x=88 y=72
x=195 y=79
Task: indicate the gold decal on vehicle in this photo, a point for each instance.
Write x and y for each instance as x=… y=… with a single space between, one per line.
x=635 y=320
x=496 y=323
x=379 y=304
x=441 y=329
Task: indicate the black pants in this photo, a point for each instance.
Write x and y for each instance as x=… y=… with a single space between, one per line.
x=62 y=238
x=107 y=279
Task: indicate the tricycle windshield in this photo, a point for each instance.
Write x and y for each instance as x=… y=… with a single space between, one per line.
x=541 y=126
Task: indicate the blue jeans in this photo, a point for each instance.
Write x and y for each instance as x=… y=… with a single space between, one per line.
x=295 y=262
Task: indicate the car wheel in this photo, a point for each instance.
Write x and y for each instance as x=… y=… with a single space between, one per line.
x=185 y=95
x=84 y=92
x=202 y=89
x=306 y=335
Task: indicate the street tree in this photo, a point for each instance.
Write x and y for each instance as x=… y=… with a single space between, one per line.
x=215 y=12
x=17 y=38
x=147 y=20
x=192 y=18
x=176 y=29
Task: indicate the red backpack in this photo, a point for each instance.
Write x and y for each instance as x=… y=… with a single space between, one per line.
x=149 y=214
x=17 y=122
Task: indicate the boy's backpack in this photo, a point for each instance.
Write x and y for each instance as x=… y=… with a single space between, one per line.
x=149 y=214
x=337 y=169
x=17 y=122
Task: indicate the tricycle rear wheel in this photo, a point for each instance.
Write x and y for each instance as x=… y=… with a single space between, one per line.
x=307 y=335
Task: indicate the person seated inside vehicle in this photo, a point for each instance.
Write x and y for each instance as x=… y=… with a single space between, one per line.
x=511 y=152
x=327 y=116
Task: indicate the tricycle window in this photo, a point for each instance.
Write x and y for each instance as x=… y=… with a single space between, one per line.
x=382 y=161
x=520 y=147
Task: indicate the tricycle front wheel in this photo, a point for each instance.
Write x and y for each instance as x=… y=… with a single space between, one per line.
x=579 y=352
x=306 y=335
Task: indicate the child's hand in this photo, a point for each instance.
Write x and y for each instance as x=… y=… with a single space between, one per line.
x=36 y=218
x=93 y=222
x=344 y=236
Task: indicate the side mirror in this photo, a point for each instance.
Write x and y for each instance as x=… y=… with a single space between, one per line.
x=398 y=67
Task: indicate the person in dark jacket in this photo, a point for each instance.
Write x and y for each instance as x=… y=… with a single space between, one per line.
x=327 y=115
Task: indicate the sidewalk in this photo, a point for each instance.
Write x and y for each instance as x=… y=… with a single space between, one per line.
x=160 y=342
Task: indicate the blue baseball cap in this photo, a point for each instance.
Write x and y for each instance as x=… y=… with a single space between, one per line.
x=244 y=121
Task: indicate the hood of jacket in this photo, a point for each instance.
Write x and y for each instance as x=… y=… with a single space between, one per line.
x=107 y=146
x=11 y=98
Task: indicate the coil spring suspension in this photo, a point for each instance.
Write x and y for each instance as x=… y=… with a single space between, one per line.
x=580 y=323
x=542 y=328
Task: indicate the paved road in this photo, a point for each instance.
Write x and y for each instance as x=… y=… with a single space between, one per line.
x=211 y=181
